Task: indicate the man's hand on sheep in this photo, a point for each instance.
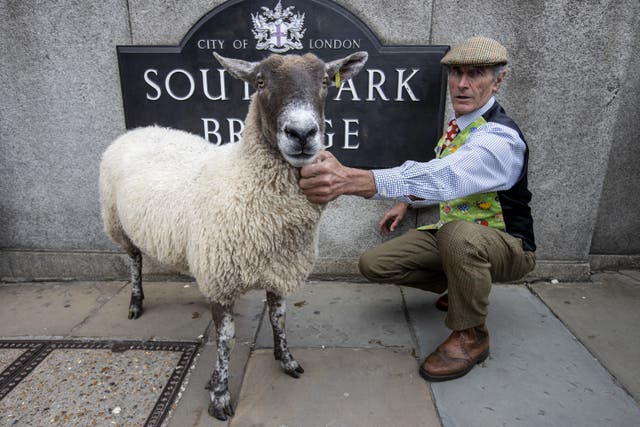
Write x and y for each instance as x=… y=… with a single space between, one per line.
x=327 y=179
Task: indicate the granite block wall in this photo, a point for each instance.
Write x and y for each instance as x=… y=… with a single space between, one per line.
x=572 y=87
x=60 y=108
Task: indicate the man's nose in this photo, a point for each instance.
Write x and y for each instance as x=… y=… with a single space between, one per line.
x=463 y=80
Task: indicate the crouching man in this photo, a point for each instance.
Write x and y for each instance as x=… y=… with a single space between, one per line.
x=485 y=231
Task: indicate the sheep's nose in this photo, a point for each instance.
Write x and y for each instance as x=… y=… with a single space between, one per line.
x=301 y=134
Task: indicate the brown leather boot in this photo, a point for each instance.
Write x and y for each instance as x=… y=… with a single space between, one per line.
x=442 y=303
x=457 y=355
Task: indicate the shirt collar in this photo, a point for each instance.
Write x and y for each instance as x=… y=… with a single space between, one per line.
x=467 y=119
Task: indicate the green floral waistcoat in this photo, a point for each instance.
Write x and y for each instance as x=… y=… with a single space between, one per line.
x=484 y=208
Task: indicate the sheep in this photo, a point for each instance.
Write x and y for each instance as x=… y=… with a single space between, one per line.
x=232 y=216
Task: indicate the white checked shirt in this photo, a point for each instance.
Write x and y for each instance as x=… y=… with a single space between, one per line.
x=490 y=160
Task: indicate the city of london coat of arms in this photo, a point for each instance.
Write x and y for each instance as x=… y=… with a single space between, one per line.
x=278 y=30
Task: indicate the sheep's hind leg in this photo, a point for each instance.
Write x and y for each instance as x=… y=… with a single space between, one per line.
x=220 y=406
x=277 y=316
x=137 y=295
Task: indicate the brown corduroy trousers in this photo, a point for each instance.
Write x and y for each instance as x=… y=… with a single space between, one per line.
x=462 y=257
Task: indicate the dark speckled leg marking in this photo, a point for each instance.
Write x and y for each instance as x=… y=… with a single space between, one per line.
x=135 y=305
x=277 y=315
x=220 y=406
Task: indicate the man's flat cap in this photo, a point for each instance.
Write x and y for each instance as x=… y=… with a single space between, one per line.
x=476 y=51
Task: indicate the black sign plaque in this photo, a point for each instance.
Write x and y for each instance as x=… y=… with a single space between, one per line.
x=391 y=112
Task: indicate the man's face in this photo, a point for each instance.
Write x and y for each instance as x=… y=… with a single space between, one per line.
x=471 y=87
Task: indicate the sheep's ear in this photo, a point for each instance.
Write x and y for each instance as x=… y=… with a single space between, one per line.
x=348 y=66
x=238 y=68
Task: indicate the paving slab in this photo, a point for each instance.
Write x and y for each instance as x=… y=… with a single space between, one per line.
x=604 y=315
x=172 y=310
x=341 y=314
x=634 y=274
x=426 y=322
x=340 y=387
x=538 y=373
x=51 y=308
x=191 y=409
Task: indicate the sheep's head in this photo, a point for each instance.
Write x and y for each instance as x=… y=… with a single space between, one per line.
x=291 y=92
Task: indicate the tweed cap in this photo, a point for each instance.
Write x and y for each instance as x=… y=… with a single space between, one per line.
x=476 y=51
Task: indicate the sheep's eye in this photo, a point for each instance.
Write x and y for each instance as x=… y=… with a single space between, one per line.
x=325 y=81
x=260 y=82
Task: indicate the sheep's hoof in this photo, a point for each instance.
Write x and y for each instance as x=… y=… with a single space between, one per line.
x=292 y=369
x=135 y=307
x=221 y=407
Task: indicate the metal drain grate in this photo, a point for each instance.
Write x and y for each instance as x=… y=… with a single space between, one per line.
x=32 y=353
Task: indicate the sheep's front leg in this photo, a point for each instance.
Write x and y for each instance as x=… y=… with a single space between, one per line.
x=220 y=406
x=277 y=315
x=137 y=295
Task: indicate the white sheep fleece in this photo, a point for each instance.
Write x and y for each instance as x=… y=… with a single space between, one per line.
x=232 y=216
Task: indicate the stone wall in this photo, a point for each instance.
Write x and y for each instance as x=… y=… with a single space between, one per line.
x=572 y=88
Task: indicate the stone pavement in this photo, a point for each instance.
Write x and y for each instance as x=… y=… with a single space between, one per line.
x=561 y=354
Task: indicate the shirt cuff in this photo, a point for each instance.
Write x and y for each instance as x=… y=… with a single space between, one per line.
x=389 y=183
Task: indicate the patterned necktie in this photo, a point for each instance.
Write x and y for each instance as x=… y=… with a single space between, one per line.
x=452 y=131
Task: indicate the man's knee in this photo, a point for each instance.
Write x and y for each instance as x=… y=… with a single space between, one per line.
x=378 y=266
x=368 y=266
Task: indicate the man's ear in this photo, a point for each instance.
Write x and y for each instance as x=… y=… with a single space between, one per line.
x=238 y=68
x=499 y=80
x=348 y=66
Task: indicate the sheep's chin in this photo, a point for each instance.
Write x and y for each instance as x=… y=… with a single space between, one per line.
x=300 y=160
x=296 y=156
